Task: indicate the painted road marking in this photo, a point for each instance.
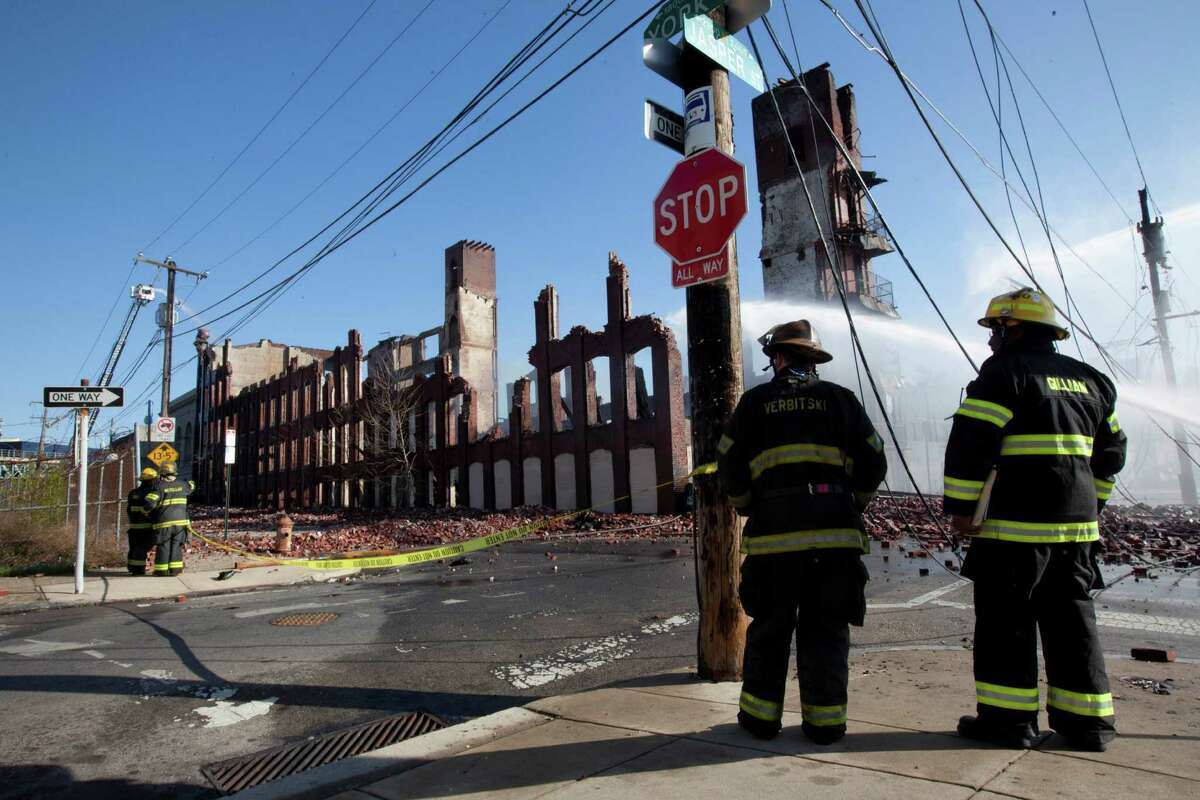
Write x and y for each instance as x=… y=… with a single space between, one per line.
x=226 y=713
x=585 y=656
x=36 y=647
x=921 y=600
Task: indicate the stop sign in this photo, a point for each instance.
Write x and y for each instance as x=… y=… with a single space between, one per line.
x=700 y=205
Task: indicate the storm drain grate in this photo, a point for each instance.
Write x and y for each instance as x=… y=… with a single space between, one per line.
x=236 y=774
x=315 y=618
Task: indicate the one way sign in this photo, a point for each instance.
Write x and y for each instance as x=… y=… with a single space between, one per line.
x=83 y=397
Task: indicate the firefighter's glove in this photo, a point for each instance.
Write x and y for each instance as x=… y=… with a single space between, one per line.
x=963 y=524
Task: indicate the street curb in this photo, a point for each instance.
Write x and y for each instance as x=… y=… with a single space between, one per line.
x=351 y=773
x=46 y=605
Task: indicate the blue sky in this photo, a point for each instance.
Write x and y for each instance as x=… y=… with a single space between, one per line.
x=118 y=115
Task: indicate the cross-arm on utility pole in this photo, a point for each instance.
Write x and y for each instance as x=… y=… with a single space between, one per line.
x=1156 y=256
x=168 y=323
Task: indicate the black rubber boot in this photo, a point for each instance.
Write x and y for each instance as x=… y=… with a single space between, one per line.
x=822 y=734
x=1089 y=741
x=756 y=727
x=1020 y=736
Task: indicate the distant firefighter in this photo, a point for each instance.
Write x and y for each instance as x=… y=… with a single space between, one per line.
x=1039 y=431
x=141 y=529
x=170 y=517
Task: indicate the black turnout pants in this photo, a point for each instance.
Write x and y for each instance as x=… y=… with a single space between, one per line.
x=1019 y=589
x=817 y=595
x=140 y=542
x=169 y=555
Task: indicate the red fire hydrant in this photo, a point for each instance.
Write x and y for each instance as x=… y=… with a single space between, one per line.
x=283 y=533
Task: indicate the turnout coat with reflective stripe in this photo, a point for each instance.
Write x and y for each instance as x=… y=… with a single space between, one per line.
x=801 y=458
x=1048 y=423
x=135 y=505
x=167 y=503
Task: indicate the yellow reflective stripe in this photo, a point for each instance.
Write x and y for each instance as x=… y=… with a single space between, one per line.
x=875 y=442
x=133 y=562
x=961 y=489
x=820 y=539
x=175 y=501
x=176 y=565
x=1103 y=488
x=757 y=707
x=1114 y=424
x=740 y=500
x=824 y=715
x=1039 y=532
x=1046 y=444
x=151 y=497
x=1088 y=705
x=984 y=410
x=724 y=445
x=1010 y=697
x=136 y=508
x=798 y=454
x=171 y=524
x=160 y=567
x=705 y=469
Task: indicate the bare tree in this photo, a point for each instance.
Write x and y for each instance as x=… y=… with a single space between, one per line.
x=388 y=452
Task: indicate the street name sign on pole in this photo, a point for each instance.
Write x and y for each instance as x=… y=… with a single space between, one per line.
x=664 y=126
x=720 y=45
x=665 y=58
x=230 y=458
x=83 y=397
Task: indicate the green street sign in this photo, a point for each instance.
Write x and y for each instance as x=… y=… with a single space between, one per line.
x=719 y=45
x=668 y=22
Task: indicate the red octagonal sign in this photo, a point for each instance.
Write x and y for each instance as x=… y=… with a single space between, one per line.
x=696 y=212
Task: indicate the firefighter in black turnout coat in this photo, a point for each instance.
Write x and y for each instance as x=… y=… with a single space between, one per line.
x=801 y=459
x=169 y=513
x=141 y=529
x=1045 y=425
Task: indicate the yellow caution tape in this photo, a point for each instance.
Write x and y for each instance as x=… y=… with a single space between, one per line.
x=436 y=553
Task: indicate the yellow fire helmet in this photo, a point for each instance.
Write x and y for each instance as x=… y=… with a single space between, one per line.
x=168 y=469
x=149 y=474
x=1023 y=305
x=798 y=334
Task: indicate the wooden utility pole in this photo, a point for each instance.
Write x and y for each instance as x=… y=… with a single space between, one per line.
x=714 y=323
x=1156 y=256
x=169 y=323
x=41 y=451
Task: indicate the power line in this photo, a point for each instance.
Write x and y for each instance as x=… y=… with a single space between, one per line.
x=1116 y=97
x=266 y=125
x=306 y=131
x=838 y=277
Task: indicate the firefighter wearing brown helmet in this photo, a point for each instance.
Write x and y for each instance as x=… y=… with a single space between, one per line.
x=801 y=459
x=1041 y=428
x=170 y=517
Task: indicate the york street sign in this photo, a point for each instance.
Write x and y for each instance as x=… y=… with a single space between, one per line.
x=668 y=22
x=83 y=396
x=699 y=206
x=720 y=45
x=664 y=126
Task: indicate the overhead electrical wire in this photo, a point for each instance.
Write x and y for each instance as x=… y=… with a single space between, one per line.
x=837 y=276
x=348 y=232
x=261 y=130
x=308 y=129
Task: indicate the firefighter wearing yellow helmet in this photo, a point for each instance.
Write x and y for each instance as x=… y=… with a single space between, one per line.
x=141 y=529
x=801 y=459
x=169 y=513
x=1042 y=429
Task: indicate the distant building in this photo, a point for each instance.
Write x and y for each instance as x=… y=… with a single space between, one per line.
x=795 y=265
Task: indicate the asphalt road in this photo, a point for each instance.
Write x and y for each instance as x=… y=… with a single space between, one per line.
x=131 y=700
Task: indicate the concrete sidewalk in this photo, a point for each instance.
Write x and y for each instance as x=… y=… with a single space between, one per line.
x=55 y=591
x=671 y=736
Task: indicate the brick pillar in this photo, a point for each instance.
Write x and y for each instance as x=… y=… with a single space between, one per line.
x=620 y=378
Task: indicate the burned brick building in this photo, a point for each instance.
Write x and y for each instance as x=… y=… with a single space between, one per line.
x=311 y=436
x=795 y=265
